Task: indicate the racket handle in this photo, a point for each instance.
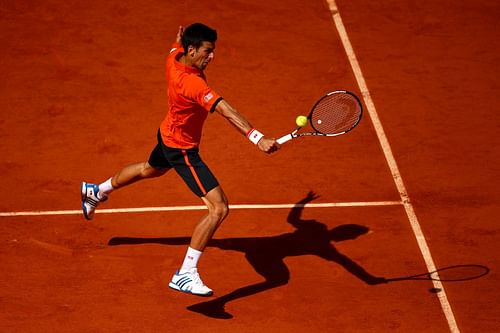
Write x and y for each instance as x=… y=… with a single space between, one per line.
x=284 y=139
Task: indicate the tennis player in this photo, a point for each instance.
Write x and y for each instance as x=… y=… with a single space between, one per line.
x=190 y=101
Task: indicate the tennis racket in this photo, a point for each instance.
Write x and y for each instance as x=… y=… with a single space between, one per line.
x=334 y=114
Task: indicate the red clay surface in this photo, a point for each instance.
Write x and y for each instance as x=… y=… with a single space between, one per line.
x=83 y=92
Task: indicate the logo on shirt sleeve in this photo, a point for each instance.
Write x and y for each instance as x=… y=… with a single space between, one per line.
x=208 y=97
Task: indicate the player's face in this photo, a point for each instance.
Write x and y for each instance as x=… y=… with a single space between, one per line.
x=202 y=56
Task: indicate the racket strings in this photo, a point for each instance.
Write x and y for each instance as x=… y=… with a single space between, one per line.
x=336 y=113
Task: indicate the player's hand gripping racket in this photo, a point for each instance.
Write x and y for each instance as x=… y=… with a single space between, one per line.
x=334 y=114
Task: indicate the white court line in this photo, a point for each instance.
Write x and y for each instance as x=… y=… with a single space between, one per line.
x=417 y=230
x=202 y=207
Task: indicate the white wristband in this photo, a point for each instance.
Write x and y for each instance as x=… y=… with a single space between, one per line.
x=254 y=135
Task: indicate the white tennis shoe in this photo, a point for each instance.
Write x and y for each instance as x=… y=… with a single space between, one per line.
x=190 y=282
x=90 y=200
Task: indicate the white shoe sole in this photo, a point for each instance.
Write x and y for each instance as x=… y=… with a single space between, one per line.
x=176 y=287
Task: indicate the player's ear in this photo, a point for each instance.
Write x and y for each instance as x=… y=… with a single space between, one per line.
x=191 y=50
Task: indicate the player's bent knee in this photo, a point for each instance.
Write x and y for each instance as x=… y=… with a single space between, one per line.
x=217 y=204
x=219 y=211
x=225 y=211
x=222 y=211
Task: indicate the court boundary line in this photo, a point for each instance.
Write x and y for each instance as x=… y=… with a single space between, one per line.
x=391 y=161
x=200 y=207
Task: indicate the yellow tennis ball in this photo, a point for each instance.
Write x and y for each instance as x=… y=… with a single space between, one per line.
x=301 y=121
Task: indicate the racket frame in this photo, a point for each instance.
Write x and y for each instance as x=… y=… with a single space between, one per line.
x=295 y=133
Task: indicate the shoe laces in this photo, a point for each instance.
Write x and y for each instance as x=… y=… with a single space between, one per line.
x=196 y=277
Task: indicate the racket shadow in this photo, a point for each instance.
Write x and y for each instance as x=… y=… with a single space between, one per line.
x=266 y=255
x=455 y=273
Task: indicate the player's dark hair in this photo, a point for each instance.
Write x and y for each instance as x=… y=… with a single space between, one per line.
x=196 y=34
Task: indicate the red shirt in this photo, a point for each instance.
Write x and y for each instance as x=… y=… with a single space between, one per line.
x=189 y=101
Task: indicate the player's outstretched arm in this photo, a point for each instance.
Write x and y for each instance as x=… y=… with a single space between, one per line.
x=267 y=145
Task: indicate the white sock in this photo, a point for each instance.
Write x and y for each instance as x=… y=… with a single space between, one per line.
x=105 y=189
x=190 y=260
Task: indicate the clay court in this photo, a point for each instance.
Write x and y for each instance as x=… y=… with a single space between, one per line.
x=312 y=228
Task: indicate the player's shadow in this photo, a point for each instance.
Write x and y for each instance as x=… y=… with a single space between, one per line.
x=266 y=255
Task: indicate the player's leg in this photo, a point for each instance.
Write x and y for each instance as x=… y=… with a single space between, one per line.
x=94 y=194
x=202 y=182
x=187 y=278
x=133 y=173
x=218 y=208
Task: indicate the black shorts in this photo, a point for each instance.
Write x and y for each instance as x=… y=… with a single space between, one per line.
x=187 y=163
